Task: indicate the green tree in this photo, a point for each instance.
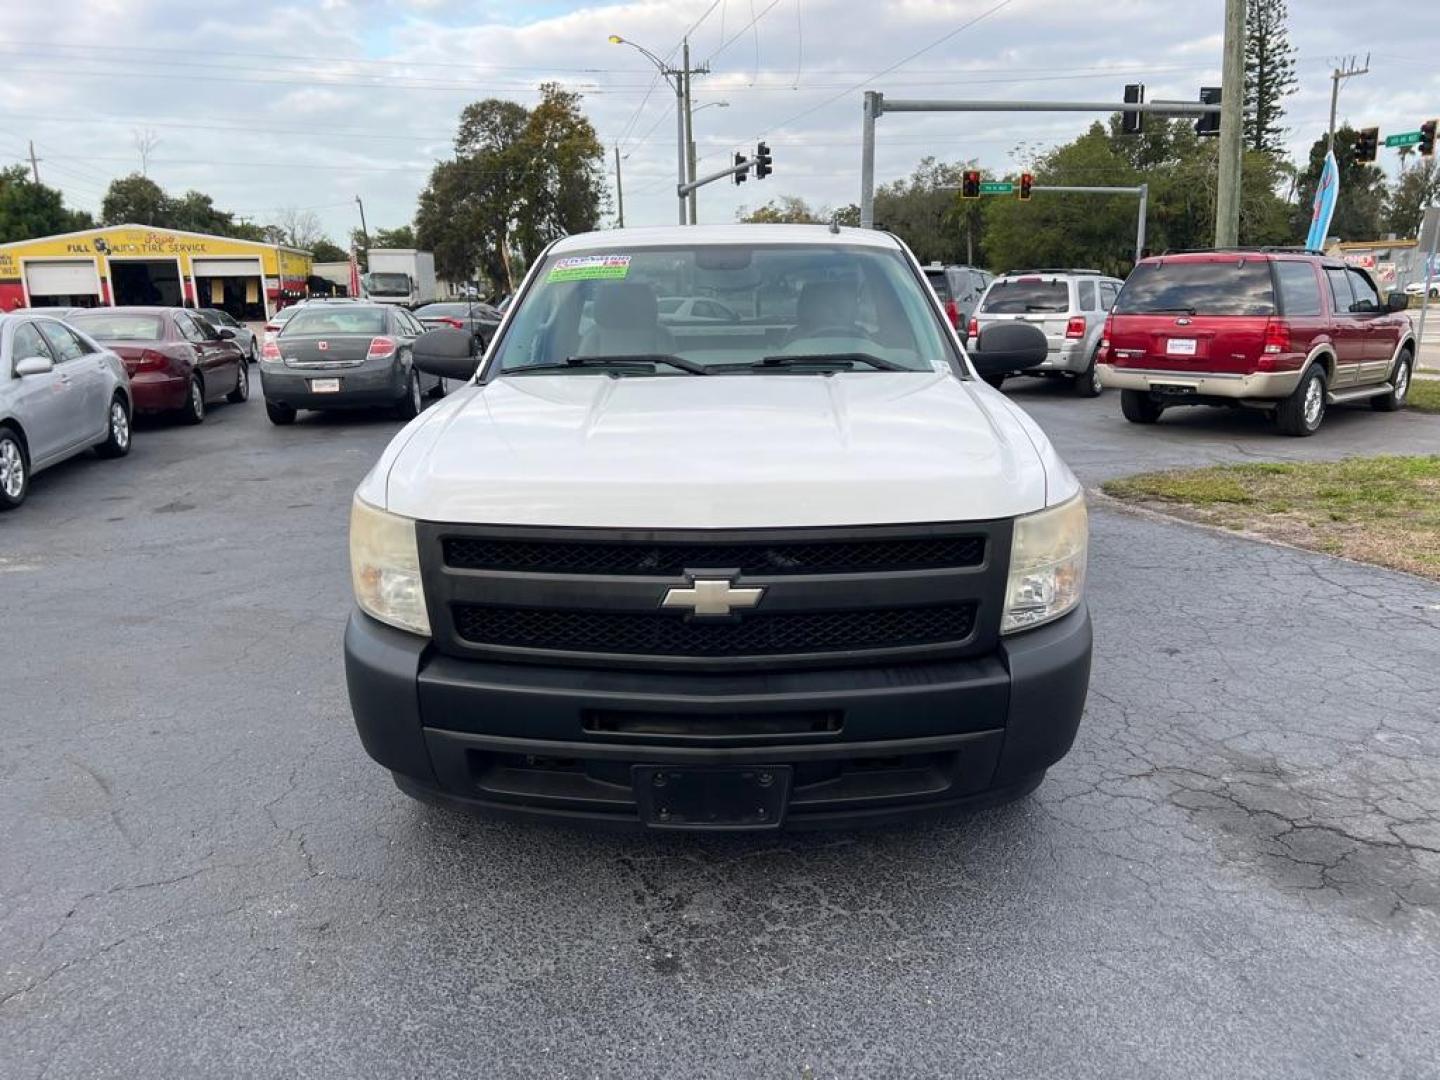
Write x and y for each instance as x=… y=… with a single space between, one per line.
x=28 y=210
x=521 y=178
x=325 y=250
x=1360 y=209
x=1416 y=188
x=1269 y=73
x=401 y=237
x=1068 y=230
x=196 y=212
x=136 y=200
x=786 y=210
x=925 y=211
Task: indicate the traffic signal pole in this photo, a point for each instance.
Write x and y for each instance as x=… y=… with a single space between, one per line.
x=876 y=105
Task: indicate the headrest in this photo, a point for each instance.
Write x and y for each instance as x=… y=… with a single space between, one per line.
x=826 y=303
x=624 y=304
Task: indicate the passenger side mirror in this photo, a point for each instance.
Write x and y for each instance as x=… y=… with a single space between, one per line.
x=1007 y=347
x=446 y=352
x=1397 y=301
x=34 y=365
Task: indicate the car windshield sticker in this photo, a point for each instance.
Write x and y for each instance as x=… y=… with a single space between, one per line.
x=590 y=268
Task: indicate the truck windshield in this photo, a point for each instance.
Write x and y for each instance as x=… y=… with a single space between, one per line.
x=820 y=308
x=387 y=284
x=1198 y=288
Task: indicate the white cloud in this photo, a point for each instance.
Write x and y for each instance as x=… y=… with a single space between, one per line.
x=265 y=103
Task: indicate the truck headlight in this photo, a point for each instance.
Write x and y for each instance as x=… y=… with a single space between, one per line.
x=385 y=568
x=1047 y=565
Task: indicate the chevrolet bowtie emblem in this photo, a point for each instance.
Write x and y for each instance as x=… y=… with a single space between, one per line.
x=712 y=598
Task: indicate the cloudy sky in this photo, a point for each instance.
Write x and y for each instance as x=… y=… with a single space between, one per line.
x=268 y=104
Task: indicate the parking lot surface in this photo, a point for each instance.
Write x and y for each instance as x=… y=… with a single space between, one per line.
x=1235 y=873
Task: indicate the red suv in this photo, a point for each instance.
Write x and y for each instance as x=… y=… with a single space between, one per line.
x=1283 y=331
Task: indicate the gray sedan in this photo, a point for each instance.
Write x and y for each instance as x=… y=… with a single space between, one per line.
x=244 y=336
x=60 y=394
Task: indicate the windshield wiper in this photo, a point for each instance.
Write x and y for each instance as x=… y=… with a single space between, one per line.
x=849 y=358
x=617 y=363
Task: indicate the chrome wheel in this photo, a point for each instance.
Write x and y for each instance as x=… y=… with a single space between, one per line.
x=119 y=425
x=1095 y=385
x=1402 y=382
x=417 y=400
x=12 y=469
x=197 y=399
x=1314 y=402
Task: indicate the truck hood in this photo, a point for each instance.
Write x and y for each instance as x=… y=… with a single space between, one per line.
x=739 y=451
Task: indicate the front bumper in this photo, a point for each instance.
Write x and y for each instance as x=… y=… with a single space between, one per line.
x=1261 y=385
x=865 y=744
x=364 y=386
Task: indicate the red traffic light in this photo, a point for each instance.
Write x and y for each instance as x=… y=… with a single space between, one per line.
x=970 y=184
x=1026 y=183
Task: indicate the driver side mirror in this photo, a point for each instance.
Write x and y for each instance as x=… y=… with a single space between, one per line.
x=34 y=365
x=226 y=334
x=1004 y=348
x=446 y=352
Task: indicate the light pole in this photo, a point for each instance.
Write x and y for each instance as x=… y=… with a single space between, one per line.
x=690 y=150
x=676 y=79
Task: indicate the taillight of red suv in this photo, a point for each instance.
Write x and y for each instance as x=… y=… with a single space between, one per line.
x=1103 y=356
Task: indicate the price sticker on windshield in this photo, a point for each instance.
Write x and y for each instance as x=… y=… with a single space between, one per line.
x=590 y=268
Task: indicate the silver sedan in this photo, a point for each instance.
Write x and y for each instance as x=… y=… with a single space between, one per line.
x=60 y=395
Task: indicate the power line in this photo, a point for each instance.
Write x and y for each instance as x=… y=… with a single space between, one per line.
x=741 y=32
x=898 y=64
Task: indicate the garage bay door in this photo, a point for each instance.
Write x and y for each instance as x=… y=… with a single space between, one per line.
x=74 y=278
x=227 y=268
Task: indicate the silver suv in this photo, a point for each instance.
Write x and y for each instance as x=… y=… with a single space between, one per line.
x=1069 y=305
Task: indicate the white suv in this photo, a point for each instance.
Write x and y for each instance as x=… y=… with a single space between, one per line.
x=803 y=567
x=1070 y=306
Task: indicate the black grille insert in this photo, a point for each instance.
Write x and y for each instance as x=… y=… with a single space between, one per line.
x=668 y=559
x=666 y=634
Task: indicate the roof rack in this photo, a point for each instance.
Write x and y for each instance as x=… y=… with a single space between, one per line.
x=1053 y=270
x=1269 y=249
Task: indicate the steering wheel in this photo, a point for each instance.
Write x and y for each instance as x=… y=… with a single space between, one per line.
x=854 y=330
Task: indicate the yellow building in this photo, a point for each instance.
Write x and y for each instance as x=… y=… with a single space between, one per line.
x=137 y=264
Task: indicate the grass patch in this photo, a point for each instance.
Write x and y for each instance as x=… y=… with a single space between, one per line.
x=1383 y=510
x=1424 y=395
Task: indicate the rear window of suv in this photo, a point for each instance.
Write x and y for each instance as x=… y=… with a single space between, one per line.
x=1198 y=288
x=940 y=282
x=1022 y=295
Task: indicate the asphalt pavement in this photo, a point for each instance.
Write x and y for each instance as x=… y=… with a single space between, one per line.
x=1235 y=873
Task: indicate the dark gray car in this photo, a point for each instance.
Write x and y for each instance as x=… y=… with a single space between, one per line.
x=61 y=393
x=344 y=356
x=479 y=318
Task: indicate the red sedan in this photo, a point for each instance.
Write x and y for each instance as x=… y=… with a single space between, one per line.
x=177 y=362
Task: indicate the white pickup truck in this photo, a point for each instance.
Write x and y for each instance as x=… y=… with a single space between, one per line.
x=802 y=568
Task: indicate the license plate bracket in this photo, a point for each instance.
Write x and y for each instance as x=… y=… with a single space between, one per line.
x=1181 y=346
x=324 y=386
x=712 y=797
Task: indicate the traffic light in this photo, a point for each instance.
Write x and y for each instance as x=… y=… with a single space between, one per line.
x=762 y=161
x=1026 y=182
x=1367 y=144
x=1426 y=145
x=970 y=184
x=741 y=175
x=1209 y=123
x=1133 y=123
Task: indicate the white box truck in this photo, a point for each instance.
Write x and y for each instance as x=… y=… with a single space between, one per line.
x=401 y=276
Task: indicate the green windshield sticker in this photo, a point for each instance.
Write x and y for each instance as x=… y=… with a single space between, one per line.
x=590 y=268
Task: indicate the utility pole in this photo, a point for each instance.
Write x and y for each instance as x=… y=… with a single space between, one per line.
x=619 y=187
x=689 y=127
x=1350 y=69
x=1232 y=127
x=34 y=163
x=364 y=232
x=679 y=80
